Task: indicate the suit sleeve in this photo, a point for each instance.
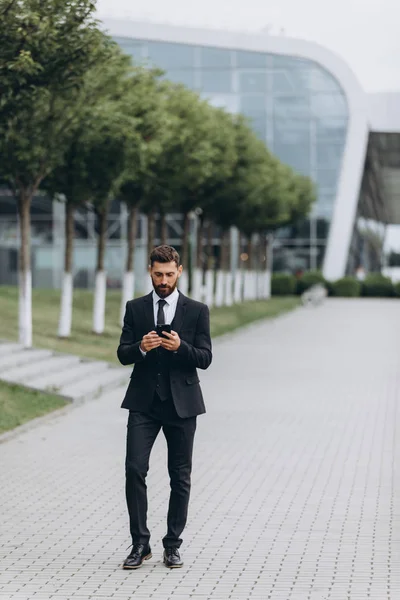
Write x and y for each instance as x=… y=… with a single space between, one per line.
x=198 y=355
x=128 y=350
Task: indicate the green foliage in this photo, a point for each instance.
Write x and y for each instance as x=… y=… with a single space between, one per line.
x=378 y=286
x=283 y=284
x=309 y=279
x=396 y=288
x=46 y=50
x=347 y=287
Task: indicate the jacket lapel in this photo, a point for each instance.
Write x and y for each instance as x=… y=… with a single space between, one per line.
x=179 y=313
x=148 y=312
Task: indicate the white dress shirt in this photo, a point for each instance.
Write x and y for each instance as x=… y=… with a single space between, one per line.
x=169 y=309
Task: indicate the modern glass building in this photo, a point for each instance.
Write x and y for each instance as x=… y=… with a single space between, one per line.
x=308 y=107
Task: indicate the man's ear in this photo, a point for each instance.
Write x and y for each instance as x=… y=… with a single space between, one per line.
x=180 y=269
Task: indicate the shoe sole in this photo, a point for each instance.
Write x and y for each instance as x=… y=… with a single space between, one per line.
x=138 y=566
x=173 y=566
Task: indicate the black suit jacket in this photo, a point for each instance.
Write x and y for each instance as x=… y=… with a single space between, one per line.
x=192 y=323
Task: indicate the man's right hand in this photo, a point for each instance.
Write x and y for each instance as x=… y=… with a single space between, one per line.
x=150 y=341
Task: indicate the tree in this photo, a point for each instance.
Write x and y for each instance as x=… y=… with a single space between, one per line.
x=181 y=160
x=104 y=85
x=47 y=48
x=192 y=157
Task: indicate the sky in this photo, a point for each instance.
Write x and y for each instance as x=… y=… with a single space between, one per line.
x=363 y=32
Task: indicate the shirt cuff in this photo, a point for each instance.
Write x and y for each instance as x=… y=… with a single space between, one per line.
x=143 y=353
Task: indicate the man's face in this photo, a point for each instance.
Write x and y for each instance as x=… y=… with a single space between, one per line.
x=165 y=277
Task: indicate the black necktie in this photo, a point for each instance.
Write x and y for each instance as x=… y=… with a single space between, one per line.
x=160 y=314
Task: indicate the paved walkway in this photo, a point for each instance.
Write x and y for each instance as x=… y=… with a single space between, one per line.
x=296 y=495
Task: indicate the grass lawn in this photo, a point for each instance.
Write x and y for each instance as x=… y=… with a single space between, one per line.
x=18 y=405
x=103 y=347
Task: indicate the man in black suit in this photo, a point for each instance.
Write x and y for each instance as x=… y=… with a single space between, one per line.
x=164 y=392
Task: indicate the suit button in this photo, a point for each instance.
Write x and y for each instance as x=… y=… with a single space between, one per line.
x=158 y=374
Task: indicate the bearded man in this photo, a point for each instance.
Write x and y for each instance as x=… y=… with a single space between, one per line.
x=163 y=393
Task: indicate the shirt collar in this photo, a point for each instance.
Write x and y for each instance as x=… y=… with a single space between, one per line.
x=169 y=300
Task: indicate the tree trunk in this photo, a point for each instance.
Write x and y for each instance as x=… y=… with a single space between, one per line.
x=65 y=319
x=269 y=239
x=199 y=244
x=210 y=257
x=128 y=284
x=101 y=276
x=132 y=229
x=222 y=270
x=24 y=268
x=225 y=240
x=164 y=229
x=197 y=279
x=101 y=241
x=209 y=276
x=184 y=279
x=250 y=253
x=185 y=241
x=150 y=232
x=238 y=284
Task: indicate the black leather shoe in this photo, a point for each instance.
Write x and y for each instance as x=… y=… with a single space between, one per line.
x=172 y=558
x=139 y=554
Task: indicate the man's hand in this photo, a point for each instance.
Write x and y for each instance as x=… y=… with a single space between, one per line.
x=171 y=342
x=150 y=341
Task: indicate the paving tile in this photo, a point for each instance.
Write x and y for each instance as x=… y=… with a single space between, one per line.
x=295 y=495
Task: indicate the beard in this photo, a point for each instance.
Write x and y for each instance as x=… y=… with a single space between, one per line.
x=164 y=290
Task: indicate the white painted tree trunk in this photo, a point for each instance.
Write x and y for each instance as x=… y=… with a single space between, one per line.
x=99 y=308
x=247 y=286
x=65 y=320
x=25 y=308
x=250 y=284
x=260 y=285
x=128 y=292
x=228 y=295
x=197 y=285
x=238 y=287
x=184 y=283
x=220 y=288
x=267 y=285
x=209 y=299
x=254 y=293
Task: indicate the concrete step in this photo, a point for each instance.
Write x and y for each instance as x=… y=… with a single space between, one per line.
x=81 y=371
x=53 y=365
x=22 y=357
x=9 y=347
x=97 y=384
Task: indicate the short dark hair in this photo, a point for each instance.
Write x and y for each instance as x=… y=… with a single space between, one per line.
x=165 y=254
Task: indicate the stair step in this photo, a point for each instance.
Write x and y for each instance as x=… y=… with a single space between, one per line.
x=8 y=348
x=23 y=357
x=55 y=381
x=97 y=384
x=53 y=365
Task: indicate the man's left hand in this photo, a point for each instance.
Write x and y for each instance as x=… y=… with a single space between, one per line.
x=171 y=342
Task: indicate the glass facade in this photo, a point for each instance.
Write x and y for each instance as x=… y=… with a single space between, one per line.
x=293 y=104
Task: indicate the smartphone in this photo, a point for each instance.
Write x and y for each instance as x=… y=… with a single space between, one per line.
x=161 y=328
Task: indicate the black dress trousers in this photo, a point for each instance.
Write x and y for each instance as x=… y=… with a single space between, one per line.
x=143 y=429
